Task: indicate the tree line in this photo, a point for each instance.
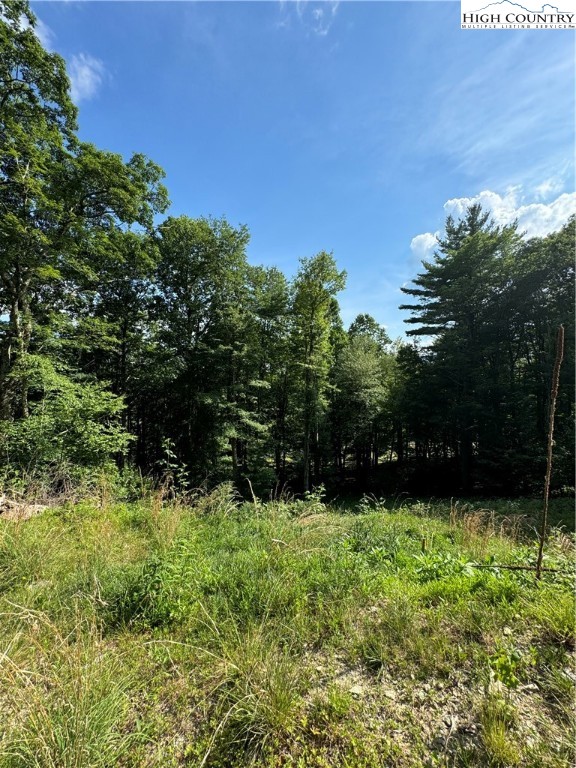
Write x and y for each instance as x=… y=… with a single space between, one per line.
x=132 y=340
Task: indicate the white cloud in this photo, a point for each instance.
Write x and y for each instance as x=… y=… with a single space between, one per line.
x=535 y=219
x=85 y=71
x=423 y=246
x=86 y=76
x=548 y=188
x=315 y=17
x=44 y=34
x=539 y=219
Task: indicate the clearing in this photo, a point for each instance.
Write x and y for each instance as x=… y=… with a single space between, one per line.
x=292 y=633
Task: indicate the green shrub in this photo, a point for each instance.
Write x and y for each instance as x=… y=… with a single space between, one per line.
x=72 y=424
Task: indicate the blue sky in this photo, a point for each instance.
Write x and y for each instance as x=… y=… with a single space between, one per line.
x=352 y=127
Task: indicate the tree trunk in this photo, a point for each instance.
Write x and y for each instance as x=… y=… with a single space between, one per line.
x=14 y=393
x=400 y=445
x=306 y=460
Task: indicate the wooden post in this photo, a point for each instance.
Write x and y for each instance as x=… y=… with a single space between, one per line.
x=553 y=397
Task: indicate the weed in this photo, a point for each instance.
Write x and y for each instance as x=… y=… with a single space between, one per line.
x=222 y=501
x=553 y=614
x=504 y=665
x=257 y=686
x=441 y=565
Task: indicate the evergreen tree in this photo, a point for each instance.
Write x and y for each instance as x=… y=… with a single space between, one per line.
x=315 y=286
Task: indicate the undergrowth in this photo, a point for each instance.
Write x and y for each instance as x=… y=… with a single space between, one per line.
x=211 y=632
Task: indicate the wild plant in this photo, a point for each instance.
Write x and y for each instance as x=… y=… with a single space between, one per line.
x=65 y=697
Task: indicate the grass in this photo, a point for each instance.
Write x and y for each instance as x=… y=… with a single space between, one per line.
x=218 y=633
x=65 y=695
x=497 y=718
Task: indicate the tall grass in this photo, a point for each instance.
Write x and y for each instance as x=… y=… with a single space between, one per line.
x=257 y=691
x=65 y=695
x=236 y=633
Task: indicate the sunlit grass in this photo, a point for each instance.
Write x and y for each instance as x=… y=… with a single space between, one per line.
x=228 y=634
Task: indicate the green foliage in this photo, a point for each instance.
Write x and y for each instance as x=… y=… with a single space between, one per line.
x=280 y=631
x=497 y=718
x=247 y=376
x=504 y=665
x=365 y=326
x=63 y=205
x=479 y=393
x=72 y=424
x=315 y=287
x=259 y=693
x=175 y=476
x=441 y=565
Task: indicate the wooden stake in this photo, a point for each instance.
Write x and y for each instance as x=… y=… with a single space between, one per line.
x=553 y=397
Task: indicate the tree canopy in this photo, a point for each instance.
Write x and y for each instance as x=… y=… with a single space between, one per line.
x=132 y=340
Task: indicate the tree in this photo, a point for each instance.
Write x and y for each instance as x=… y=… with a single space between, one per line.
x=199 y=318
x=59 y=198
x=316 y=284
x=456 y=297
x=491 y=303
x=37 y=123
x=365 y=325
x=358 y=401
x=268 y=365
x=72 y=426
x=65 y=211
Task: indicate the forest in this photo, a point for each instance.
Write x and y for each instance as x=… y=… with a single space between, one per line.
x=235 y=533
x=131 y=341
